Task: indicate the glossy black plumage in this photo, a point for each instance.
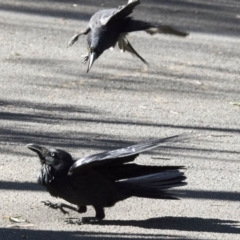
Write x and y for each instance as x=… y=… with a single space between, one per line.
x=109 y=27
x=103 y=179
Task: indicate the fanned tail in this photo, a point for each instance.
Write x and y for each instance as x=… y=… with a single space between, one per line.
x=155 y=185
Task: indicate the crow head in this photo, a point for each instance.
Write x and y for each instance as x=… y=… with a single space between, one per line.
x=98 y=43
x=55 y=158
x=94 y=48
x=55 y=162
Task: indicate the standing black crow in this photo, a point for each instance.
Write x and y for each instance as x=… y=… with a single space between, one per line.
x=103 y=179
x=108 y=27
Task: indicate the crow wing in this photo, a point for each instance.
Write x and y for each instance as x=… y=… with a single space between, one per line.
x=76 y=36
x=124 y=45
x=106 y=16
x=122 y=155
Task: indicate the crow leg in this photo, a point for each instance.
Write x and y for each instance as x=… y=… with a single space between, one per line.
x=82 y=209
x=60 y=206
x=99 y=212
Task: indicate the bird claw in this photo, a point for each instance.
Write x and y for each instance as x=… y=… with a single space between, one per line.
x=55 y=206
x=82 y=209
x=85 y=58
x=74 y=221
x=83 y=220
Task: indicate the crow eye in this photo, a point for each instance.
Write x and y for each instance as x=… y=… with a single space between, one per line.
x=52 y=154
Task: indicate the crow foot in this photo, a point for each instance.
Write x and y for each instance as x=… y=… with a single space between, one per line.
x=83 y=220
x=85 y=58
x=60 y=206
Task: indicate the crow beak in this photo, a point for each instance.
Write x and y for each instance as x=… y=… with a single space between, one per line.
x=92 y=58
x=37 y=149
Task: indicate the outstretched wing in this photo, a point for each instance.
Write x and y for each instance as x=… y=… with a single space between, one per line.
x=76 y=36
x=124 y=45
x=104 y=17
x=165 y=30
x=122 y=155
x=138 y=25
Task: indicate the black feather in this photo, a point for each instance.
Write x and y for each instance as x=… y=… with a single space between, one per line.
x=108 y=27
x=103 y=179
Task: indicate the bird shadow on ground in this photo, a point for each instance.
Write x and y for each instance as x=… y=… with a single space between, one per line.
x=10 y=233
x=181 y=224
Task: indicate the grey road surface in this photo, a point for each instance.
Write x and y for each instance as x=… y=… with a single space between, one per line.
x=193 y=86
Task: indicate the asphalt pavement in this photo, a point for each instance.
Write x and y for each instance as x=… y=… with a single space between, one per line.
x=192 y=86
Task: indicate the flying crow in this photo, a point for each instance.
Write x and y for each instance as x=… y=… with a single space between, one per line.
x=109 y=27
